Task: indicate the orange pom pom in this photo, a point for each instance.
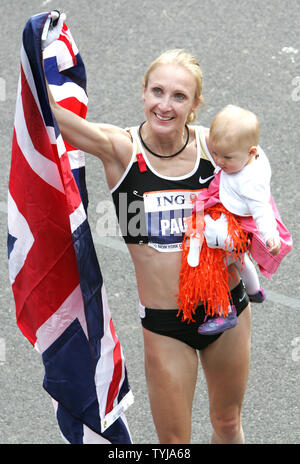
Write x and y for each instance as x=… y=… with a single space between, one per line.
x=207 y=283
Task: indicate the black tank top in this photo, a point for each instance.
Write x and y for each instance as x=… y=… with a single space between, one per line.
x=151 y=207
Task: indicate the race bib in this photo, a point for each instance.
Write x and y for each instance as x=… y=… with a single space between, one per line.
x=165 y=213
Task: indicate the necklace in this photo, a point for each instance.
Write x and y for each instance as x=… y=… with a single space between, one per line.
x=164 y=156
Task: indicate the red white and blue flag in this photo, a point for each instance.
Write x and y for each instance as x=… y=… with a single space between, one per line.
x=61 y=304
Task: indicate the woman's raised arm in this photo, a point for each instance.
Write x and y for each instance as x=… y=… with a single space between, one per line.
x=89 y=137
x=105 y=141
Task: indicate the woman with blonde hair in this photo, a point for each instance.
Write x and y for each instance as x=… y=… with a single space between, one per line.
x=155 y=168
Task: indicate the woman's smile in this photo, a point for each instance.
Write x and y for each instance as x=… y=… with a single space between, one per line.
x=163 y=118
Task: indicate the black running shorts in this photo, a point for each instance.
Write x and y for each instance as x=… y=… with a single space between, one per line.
x=166 y=322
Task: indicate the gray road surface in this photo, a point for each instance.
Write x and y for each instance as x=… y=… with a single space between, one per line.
x=250 y=55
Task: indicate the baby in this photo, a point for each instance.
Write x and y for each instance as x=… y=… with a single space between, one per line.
x=244 y=190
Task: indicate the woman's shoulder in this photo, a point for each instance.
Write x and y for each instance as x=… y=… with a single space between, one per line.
x=120 y=143
x=201 y=136
x=200 y=128
x=200 y=132
x=121 y=137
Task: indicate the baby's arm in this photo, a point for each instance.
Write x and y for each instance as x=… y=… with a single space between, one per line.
x=263 y=215
x=256 y=193
x=274 y=245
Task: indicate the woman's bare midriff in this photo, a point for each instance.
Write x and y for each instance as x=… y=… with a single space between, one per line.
x=157 y=275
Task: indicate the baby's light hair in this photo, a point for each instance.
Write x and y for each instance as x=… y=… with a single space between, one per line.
x=181 y=58
x=236 y=125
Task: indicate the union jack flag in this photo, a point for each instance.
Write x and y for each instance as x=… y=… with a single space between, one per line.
x=61 y=304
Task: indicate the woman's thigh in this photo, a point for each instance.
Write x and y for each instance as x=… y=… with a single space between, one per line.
x=226 y=366
x=171 y=371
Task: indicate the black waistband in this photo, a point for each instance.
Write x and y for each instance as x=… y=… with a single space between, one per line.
x=239 y=297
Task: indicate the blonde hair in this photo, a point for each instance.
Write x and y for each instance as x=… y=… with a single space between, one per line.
x=181 y=58
x=236 y=125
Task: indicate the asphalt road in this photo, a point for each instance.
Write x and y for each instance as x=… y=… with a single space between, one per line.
x=249 y=53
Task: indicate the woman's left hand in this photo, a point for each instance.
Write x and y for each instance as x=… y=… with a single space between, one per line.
x=52 y=28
